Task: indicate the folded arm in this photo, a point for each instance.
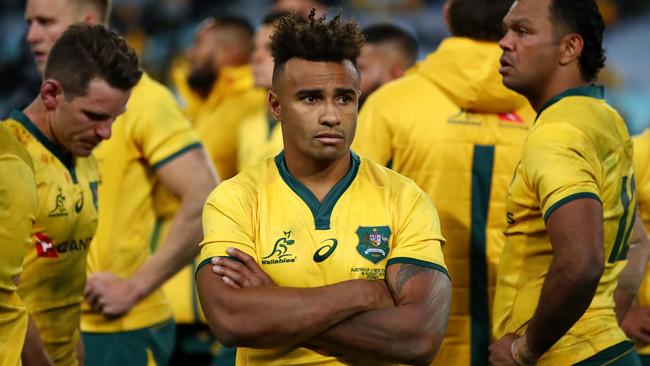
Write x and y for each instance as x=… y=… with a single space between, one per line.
x=269 y=316
x=410 y=332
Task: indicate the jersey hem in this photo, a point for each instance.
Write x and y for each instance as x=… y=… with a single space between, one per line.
x=568 y=199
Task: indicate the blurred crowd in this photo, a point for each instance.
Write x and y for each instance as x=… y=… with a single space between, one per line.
x=162 y=31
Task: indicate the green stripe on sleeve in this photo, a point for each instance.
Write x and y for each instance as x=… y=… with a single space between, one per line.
x=567 y=199
x=203 y=263
x=178 y=153
x=407 y=260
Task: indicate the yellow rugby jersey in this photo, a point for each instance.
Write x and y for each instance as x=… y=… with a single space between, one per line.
x=452 y=123
x=54 y=275
x=260 y=137
x=152 y=132
x=371 y=218
x=217 y=121
x=18 y=199
x=578 y=148
x=642 y=175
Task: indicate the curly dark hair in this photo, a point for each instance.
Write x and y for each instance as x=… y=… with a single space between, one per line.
x=584 y=18
x=85 y=52
x=481 y=20
x=314 y=39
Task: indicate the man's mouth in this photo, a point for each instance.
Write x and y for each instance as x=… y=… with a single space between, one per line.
x=329 y=137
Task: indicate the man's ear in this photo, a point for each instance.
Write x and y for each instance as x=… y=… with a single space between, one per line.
x=51 y=93
x=571 y=46
x=274 y=105
x=90 y=17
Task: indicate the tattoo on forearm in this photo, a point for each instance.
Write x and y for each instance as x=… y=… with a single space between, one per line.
x=406 y=272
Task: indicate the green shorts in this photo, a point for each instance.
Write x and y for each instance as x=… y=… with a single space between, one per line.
x=142 y=347
x=645 y=360
x=621 y=354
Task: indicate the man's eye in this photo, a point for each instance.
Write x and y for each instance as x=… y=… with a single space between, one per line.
x=345 y=99
x=310 y=99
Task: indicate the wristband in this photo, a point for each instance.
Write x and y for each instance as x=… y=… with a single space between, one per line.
x=521 y=354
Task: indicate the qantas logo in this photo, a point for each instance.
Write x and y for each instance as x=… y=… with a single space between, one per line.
x=44 y=246
x=47 y=249
x=511 y=117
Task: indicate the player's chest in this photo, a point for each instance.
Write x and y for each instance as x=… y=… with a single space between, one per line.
x=352 y=242
x=67 y=210
x=296 y=256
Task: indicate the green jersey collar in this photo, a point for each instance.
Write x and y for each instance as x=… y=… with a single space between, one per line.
x=322 y=212
x=593 y=91
x=64 y=157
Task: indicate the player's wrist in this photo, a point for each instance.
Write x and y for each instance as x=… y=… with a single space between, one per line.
x=137 y=291
x=522 y=354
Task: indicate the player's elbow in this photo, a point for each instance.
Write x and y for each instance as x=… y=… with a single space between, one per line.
x=587 y=272
x=421 y=351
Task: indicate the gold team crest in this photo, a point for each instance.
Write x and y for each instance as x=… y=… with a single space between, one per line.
x=373 y=242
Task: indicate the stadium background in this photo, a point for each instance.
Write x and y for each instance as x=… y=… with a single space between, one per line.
x=161 y=30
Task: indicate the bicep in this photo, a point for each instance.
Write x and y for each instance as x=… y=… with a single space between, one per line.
x=418 y=285
x=575 y=230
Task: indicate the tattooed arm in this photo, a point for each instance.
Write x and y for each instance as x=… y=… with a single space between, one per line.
x=408 y=333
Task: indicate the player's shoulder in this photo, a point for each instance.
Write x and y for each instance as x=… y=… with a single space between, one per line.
x=148 y=93
x=247 y=183
x=642 y=141
x=10 y=147
x=382 y=177
x=405 y=87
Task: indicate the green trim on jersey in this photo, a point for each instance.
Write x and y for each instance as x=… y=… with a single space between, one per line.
x=482 y=171
x=620 y=354
x=406 y=260
x=178 y=153
x=322 y=212
x=203 y=263
x=64 y=157
x=593 y=91
x=568 y=199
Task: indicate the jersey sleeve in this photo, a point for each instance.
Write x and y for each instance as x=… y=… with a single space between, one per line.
x=18 y=199
x=561 y=166
x=418 y=238
x=373 y=138
x=642 y=175
x=161 y=129
x=227 y=223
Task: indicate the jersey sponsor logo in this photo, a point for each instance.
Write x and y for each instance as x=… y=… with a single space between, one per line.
x=59 y=206
x=79 y=205
x=465 y=118
x=73 y=245
x=511 y=117
x=44 y=246
x=373 y=242
x=510 y=218
x=280 y=253
x=328 y=246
